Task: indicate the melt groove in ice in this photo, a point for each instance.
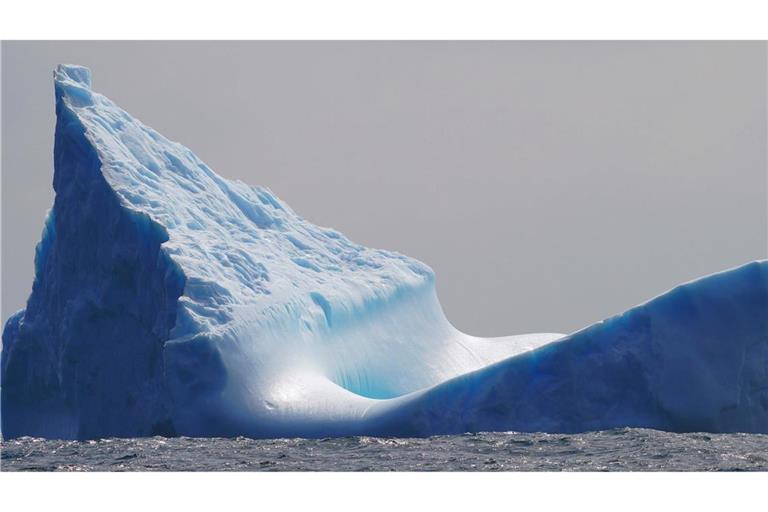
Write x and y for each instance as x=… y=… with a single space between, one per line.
x=170 y=301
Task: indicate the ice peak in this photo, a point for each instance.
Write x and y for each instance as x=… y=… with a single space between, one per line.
x=73 y=73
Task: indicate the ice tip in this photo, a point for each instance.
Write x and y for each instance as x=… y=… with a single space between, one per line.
x=73 y=73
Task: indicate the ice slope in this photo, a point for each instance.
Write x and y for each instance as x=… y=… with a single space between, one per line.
x=168 y=300
x=692 y=359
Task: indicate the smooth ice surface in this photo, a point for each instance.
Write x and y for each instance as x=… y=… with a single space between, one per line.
x=168 y=300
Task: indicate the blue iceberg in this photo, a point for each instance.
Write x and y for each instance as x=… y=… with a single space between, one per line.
x=170 y=301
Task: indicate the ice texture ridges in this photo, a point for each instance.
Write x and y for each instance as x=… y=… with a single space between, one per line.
x=168 y=300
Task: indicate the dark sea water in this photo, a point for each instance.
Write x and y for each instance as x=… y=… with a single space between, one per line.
x=610 y=450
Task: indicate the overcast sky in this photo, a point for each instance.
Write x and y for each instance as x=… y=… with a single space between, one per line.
x=548 y=184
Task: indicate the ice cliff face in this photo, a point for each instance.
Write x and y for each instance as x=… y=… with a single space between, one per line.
x=168 y=300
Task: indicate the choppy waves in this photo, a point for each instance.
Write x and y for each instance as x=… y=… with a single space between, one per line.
x=609 y=450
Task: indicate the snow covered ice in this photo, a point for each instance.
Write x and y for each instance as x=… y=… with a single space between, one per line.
x=168 y=300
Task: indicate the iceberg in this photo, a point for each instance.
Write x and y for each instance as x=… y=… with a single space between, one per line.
x=168 y=300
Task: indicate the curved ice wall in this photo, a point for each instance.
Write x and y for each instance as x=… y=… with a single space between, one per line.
x=168 y=300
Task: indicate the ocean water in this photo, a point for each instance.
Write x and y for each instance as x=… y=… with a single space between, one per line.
x=609 y=450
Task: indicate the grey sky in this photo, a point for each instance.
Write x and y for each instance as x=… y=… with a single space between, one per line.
x=548 y=184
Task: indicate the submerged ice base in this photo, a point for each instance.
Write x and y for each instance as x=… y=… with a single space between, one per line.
x=170 y=301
